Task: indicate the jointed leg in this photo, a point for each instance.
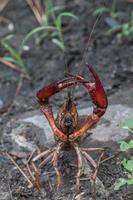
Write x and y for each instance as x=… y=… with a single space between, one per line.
x=89 y=158
x=94 y=164
x=80 y=162
x=28 y=166
x=95 y=175
x=35 y=171
x=52 y=154
x=84 y=152
x=55 y=163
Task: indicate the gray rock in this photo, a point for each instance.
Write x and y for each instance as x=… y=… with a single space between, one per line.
x=1 y=103
x=124 y=97
x=4 y=195
x=107 y=129
x=32 y=128
x=19 y=138
x=40 y=121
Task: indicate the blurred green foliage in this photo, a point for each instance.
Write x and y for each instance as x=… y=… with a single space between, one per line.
x=127 y=164
x=51 y=26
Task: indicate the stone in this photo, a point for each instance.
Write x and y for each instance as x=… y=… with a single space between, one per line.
x=19 y=138
x=1 y=103
x=108 y=128
x=123 y=96
x=4 y=195
x=32 y=129
x=40 y=121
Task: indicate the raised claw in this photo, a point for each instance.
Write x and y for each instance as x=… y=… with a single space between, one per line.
x=97 y=93
x=47 y=91
x=99 y=99
x=95 y=90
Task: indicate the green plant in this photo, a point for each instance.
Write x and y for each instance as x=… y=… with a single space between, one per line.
x=127 y=164
x=126 y=29
x=127 y=124
x=111 y=10
x=13 y=56
x=51 y=24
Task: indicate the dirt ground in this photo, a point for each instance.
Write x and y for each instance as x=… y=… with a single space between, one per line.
x=111 y=59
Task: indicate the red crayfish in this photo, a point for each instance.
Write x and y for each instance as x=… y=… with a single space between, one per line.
x=66 y=127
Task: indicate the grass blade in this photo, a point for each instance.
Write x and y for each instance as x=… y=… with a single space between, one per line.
x=34 y=31
x=58 y=43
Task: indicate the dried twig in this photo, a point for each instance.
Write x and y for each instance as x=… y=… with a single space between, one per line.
x=3 y=4
x=14 y=67
x=20 y=170
x=5 y=20
x=109 y=158
x=36 y=7
x=19 y=86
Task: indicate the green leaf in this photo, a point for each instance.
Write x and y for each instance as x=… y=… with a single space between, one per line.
x=125 y=27
x=54 y=34
x=119 y=183
x=126 y=33
x=130 y=181
x=11 y=50
x=113 y=23
x=14 y=54
x=131 y=29
x=128 y=165
x=34 y=31
x=57 y=21
x=9 y=59
x=101 y=10
x=58 y=43
x=56 y=8
x=6 y=38
x=127 y=124
x=124 y=146
x=67 y=14
x=63 y=14
x=131 y=144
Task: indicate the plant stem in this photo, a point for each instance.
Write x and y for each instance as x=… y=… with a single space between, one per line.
x=130 y=130
x=113 y=8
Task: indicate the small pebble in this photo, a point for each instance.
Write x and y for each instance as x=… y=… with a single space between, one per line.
x=26 y=48
x=11 y=27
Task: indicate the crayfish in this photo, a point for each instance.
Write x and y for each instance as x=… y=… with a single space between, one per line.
x=66 y=128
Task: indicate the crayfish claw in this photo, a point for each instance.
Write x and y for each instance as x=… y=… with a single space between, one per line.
x=98 y=95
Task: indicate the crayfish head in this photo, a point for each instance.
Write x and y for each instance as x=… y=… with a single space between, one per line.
x=67 y=117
